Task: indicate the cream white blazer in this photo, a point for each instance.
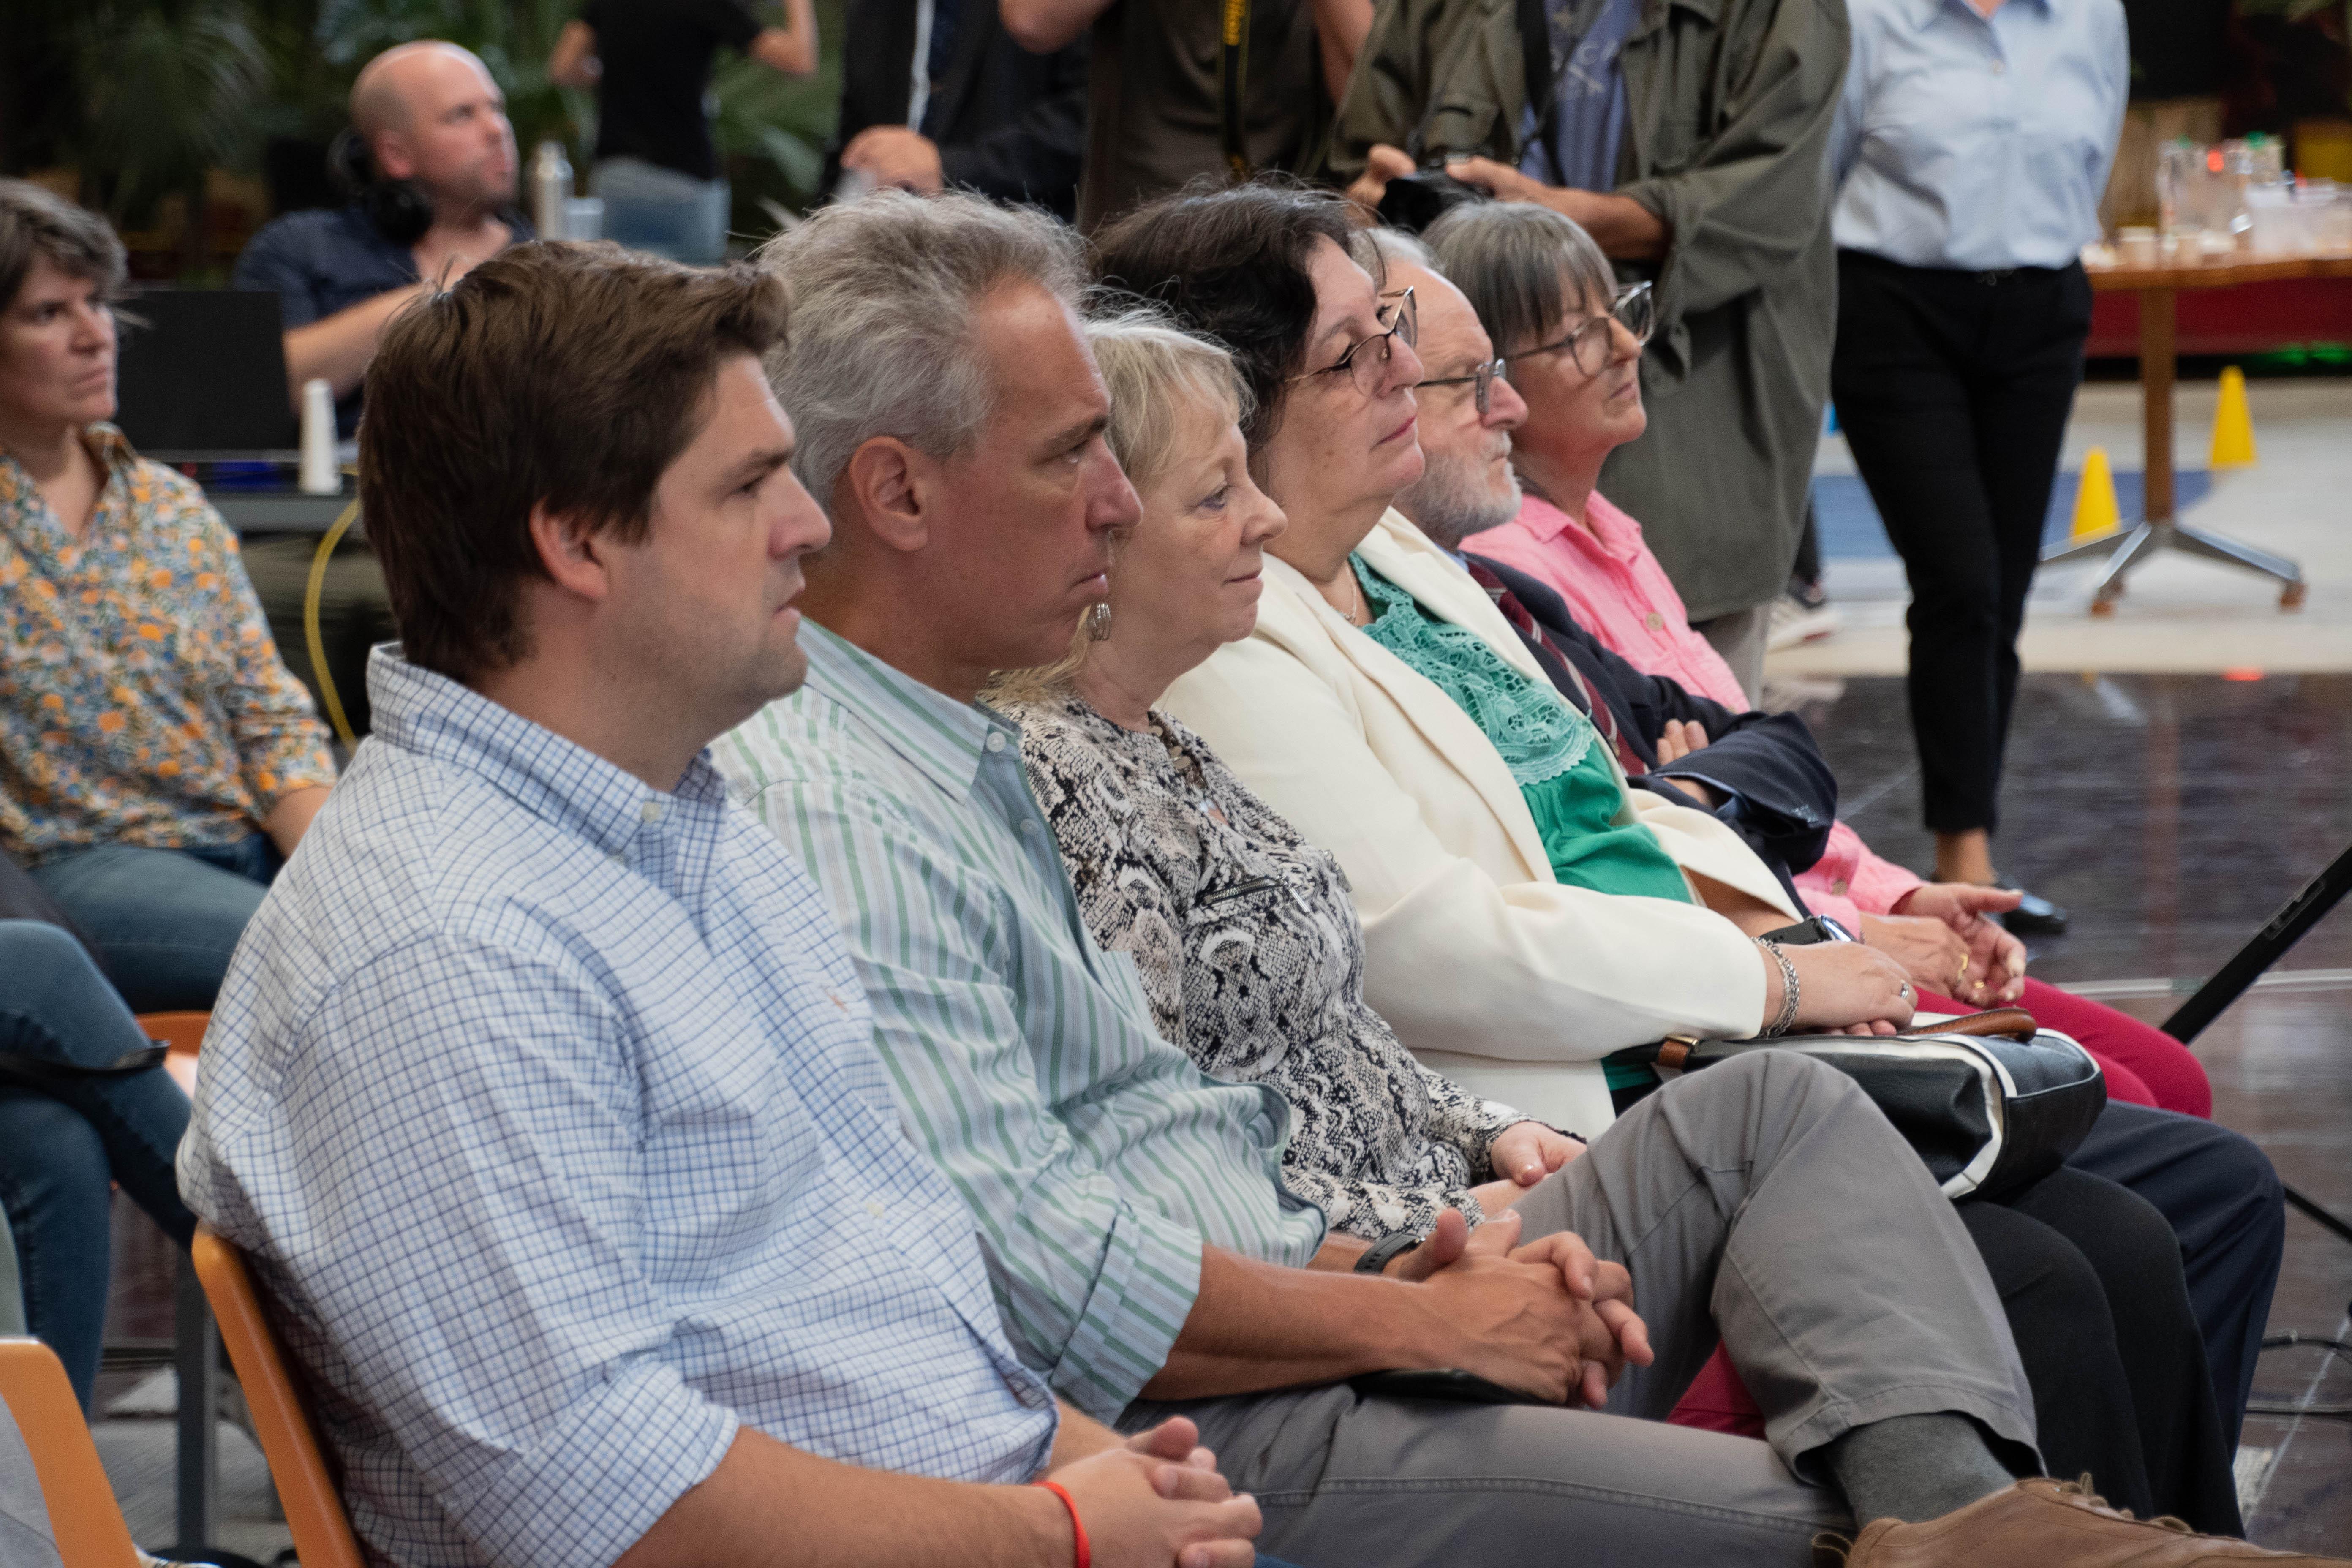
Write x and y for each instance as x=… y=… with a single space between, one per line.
x=1488 y=968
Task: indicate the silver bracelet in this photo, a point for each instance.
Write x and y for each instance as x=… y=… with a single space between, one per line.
x=1789 y=990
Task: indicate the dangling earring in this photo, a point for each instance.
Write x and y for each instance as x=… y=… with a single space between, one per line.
x=1099 y=622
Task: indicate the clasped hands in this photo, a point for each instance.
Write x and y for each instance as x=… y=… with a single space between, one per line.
x=1547 y=1319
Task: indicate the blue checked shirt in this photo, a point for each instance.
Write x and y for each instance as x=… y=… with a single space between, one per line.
x=1096 y=1156
x=547 y=1110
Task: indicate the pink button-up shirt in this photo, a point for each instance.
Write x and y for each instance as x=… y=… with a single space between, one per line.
x=1620 y=595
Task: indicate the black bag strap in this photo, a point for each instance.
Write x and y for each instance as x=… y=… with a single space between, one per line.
x=1535 y=61
x=1232 y=84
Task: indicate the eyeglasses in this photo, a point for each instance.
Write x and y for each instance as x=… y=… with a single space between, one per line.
x=1484 y=376
x=1589 y=344
x=1404 y=323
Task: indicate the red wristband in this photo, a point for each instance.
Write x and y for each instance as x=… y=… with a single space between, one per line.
x=1085 y=1558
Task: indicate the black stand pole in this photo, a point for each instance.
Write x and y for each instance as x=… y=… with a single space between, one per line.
x=2269 y=944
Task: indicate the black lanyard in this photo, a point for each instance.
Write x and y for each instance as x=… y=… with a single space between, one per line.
x=1232 y=79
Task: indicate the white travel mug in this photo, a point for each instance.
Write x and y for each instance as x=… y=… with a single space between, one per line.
x=320 y=475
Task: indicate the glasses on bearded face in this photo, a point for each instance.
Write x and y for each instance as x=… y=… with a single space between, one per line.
x=1590 y=342
x=1483 y=377
x=1366 y=359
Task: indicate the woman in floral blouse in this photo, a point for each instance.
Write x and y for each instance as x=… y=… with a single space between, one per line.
x=157 y=760
x=1245 y=935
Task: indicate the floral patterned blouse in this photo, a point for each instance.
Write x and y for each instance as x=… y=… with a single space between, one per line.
x=1248 y=940
x=141 y=700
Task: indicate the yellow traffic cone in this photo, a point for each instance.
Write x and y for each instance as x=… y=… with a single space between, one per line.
x=2233 y=427
x=2095 y=511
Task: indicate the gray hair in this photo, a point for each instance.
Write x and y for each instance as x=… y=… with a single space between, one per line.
x=882 y=292
x=1523 y=267
x=1381 y=249
x=36 y=223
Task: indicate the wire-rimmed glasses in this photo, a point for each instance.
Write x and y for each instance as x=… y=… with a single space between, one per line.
x=1588 y=344
x=1482 y=376
x=1367 y=357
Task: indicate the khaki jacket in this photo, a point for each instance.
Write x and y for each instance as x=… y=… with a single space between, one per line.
x=1729 y=110
x=1488 y=968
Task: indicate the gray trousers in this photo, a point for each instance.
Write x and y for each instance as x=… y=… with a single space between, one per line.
x=1740 y=638
x=1766 y=1200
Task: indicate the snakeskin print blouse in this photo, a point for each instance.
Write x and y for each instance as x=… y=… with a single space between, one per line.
x=1250 y=949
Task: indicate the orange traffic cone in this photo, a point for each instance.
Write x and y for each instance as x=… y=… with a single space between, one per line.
x=2234 y=427
x=2095 y=511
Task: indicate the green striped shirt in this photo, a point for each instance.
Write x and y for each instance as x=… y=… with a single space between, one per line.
x=1097 y=1157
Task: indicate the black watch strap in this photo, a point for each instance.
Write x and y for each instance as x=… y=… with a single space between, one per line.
x=1382 y=1252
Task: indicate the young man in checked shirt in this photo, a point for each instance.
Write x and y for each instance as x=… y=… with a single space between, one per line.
x=541 y=1095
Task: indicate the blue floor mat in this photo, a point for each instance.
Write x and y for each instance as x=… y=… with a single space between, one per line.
x=1851 y=530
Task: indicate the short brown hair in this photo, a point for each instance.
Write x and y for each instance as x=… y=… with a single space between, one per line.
x=36 y=222
x=557 y=373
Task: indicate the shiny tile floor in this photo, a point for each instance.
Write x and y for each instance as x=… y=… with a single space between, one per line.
x=2171 y=813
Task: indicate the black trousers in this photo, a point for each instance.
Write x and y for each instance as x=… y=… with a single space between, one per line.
x=1953 y=389
x=2090 y=1278
x=2225 y=1205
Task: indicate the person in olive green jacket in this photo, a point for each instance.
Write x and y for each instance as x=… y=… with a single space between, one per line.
x=1689 y=137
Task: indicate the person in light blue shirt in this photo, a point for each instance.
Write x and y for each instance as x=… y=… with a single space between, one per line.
x=1970 y=150
x=543 y=1097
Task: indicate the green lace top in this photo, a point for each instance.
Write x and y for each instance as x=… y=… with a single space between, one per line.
x=1551 y=749
x=1562 y=772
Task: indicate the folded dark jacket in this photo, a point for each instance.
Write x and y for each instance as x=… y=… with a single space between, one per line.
x=1782 y=797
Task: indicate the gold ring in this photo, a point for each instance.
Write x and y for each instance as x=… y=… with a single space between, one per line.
x=1964 y=963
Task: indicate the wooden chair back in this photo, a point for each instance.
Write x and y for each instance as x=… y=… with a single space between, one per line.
x=83 y=1515
x=314 y=1509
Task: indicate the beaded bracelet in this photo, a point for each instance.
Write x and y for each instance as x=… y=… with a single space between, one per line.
x=1084 y=1557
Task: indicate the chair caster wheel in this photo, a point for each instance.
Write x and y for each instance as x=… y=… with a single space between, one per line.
x=2102 y=606
x=2291 y=596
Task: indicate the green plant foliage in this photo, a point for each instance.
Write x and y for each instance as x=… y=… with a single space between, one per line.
x=512 y=36
x=165 y=92
x=772 y=130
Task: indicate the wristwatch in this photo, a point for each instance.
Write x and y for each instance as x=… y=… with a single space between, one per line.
x=1383 y=1252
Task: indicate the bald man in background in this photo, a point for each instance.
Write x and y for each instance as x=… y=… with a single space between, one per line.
x=429 y=115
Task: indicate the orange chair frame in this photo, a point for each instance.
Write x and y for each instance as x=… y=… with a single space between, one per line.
x=83 y=1515
x=314 y=1511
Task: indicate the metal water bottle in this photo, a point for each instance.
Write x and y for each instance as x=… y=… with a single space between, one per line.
x=320 y=474
x=551 y=189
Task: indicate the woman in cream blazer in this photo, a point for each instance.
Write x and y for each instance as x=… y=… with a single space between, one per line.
x=1489 y=969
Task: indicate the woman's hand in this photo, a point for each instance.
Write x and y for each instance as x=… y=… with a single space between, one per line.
x=1845 y=987
x=1994 y=974
x=1679 y=740
x=291 y=817
x=1526 y=1152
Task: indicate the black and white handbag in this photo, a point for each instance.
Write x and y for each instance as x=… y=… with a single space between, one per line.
x=1991 y=1101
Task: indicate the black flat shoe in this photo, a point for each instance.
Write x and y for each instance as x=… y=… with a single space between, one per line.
x=2034 y=915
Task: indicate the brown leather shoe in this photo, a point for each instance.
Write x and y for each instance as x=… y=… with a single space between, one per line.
x=2051 y=1524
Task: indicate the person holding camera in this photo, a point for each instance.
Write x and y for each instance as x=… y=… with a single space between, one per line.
x=1691 y=142
x=430 y=161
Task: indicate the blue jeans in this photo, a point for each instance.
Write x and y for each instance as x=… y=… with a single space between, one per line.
x=61 y=1145
x=165 y=921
